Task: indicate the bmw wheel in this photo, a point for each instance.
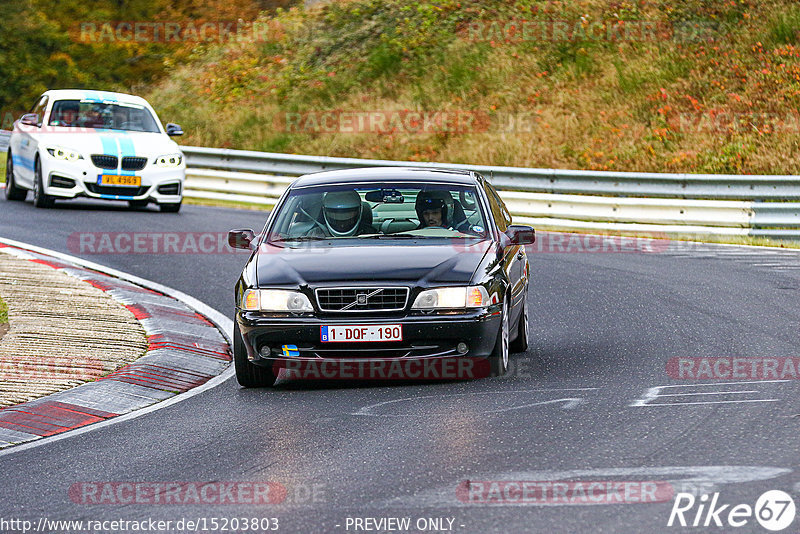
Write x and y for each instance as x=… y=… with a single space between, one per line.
x=13 y=192
x=40 y=198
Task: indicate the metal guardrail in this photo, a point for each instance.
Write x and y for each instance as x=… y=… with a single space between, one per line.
x=589 y=200
x=710 y=204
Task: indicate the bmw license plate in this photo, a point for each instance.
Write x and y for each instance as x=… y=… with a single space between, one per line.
x=360 y=333
x=119 y=179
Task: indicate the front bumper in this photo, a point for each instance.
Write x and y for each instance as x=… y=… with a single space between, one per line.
x=73 y=179
x=424 y=337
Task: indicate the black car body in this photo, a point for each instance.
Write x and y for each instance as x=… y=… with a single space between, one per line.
x=401 y=292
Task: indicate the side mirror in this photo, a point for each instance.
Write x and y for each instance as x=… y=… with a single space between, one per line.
x=30 y=119
x=241 y=238
x=174 y=129
x=520 y=234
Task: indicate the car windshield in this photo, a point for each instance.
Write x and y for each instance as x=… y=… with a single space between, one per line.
x=380 y=211
x=104 y=115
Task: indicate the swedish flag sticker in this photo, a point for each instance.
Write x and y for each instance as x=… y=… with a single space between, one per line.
x=290 y=351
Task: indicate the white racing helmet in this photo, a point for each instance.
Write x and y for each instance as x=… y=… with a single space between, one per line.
x=342 y=212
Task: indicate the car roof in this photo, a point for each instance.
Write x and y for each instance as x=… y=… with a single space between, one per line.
x=386 y=174
x=99 y=96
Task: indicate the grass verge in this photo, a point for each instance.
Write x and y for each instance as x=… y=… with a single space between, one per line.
x=3 y=313
x=714 y=89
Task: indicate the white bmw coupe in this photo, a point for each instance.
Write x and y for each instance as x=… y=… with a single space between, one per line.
x=96 y=144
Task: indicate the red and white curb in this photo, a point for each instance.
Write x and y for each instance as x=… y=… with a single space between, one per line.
x=187 y=349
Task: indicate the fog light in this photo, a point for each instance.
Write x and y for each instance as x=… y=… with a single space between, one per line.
x=462 y=348
x=265 y=351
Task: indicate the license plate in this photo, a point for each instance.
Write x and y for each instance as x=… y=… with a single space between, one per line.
x=120 y=179
x=361 y=333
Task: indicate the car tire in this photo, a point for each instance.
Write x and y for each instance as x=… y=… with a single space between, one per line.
x=13 y=192
x=499 y=359
x=247 y=374
x=40 y=198
x=138 y=204
x=170 y=208
x=520 y=344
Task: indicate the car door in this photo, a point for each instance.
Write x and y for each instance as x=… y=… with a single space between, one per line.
x=514 y=259
x=27 y=145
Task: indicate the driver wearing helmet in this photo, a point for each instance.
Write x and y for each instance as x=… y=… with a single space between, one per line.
x=342 y=215
x=433 y=209
x=437 y=209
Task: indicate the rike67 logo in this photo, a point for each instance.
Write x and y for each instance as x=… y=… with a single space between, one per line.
x=774 y=510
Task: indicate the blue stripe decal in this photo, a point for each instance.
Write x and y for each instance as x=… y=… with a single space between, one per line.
x=107 y=97
x=99 y=97
x=20 y=161
x=109 y=145
x=115 y=197
x=91 y=96
x=126 y=146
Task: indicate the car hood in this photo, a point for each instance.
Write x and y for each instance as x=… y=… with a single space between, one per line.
x=114 y=143
x=420 y=265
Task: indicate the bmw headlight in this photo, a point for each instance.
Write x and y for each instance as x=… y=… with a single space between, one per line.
x=169 y=160
x=452 y=297
x=275 y=300
x=64 y=153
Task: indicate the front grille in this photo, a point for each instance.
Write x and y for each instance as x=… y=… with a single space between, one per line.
x=170 y=189
x=130 y=163
x=61 y=181
x=362 y=299
x=104 y=162
x=115 y=190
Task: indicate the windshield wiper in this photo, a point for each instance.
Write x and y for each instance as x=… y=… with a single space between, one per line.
x=300 y=238
x=391 y=236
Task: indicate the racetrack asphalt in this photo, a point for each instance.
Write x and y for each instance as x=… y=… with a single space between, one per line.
x=581 y=404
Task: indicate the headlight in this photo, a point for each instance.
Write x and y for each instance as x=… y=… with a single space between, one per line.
x=169 y=161
x=275 y=300
x=64 y=153
x=452 y=297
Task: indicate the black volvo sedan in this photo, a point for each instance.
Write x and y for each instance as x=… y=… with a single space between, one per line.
x=382 y=273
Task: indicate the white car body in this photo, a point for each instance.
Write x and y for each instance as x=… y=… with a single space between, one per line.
x=68 y=154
